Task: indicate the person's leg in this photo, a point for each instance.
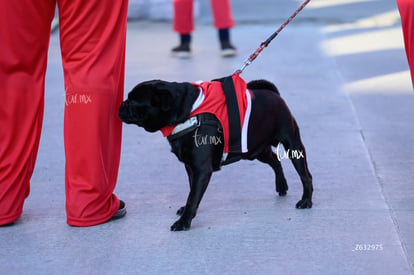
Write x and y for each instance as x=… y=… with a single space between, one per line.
x=406 y=8
x=222 y=15
x=24 y=36
x=223 y=21
x=183 y=16
x=183 y=24
x=93 y=36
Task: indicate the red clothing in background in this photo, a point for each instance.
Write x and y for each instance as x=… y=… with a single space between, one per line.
x=406 y=8
x=183 y=15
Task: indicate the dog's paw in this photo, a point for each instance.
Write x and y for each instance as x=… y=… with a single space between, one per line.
x=180 y=211
x=281 y=187
x=304 y=203
x=180 y=225
x=282 y=193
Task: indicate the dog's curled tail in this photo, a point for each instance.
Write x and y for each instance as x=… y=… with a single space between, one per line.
x=262 y=84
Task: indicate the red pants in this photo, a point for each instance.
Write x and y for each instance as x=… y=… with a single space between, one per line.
x=406 y=8
x=92 y=36
x=183 y=15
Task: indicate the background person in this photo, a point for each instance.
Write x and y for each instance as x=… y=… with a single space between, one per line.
x=183 y=23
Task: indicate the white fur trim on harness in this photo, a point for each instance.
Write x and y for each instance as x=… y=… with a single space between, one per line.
x=198 y=101
x=192 y=120
x=185 y=125
x=245 y=126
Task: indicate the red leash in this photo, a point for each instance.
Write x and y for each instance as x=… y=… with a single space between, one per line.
x=264 y=44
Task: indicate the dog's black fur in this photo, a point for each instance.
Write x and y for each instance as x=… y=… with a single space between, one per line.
x=155 y=104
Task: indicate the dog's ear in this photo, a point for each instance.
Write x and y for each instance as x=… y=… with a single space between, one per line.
x=162 y=99
x=143 y=91
x=185 y=94
x=174 y=98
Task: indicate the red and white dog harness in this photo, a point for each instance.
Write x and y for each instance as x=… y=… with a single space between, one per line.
x=212 y=100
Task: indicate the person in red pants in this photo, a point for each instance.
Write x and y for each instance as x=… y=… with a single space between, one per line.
x=406 y=8
x=92 y=38
x=183 y=23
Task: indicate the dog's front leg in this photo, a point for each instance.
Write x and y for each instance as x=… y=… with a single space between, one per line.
x=198 y=184
x=189 y=171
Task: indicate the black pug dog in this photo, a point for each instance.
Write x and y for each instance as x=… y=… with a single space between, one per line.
x=200 y=140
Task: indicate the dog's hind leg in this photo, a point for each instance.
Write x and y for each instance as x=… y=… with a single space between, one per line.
x=267 y=156
x=297 y=154
x=198 y=184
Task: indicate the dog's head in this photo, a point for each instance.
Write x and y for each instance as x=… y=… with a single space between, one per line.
x=156 y=103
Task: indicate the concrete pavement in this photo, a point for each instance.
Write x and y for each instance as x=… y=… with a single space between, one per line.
x=341 y=68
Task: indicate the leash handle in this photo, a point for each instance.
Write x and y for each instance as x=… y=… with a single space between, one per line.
x=264 y=44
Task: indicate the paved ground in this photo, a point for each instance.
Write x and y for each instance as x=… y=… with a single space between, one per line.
x=341 y=68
